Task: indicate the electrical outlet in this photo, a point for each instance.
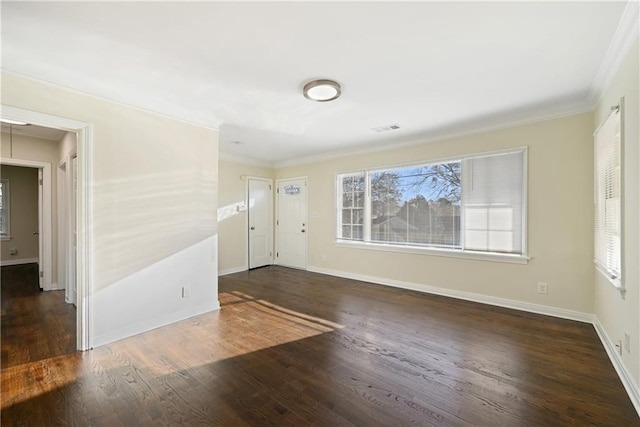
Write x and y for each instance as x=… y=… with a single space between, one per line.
x=619 y=347
x=13 y=251
x=186 y=291
x=627 y=342
x=543 y=288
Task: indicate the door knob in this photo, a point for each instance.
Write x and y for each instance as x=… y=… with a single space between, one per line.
x=35 y=233
x=253 y=228
x=302 y=230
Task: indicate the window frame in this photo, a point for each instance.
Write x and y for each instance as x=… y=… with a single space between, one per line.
x=615 y=278
x=366 y=243
x=5 y=231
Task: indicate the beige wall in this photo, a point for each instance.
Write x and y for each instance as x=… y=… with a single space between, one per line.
x=617 y=314
x=232 y=233
x=559 y=218
x=44 y=151
x=154 y=178
x=23 y=205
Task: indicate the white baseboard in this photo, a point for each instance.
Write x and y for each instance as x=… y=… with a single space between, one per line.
x=627 y=379
x=231 y=270
x=55 y=287
x=154 y=324
x=468 y=296
x=7 y=262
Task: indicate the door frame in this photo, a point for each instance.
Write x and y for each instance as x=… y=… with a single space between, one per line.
x=84 y=215
x=45 y=240
x=306 y=209
x=246 y=225
x=65 y=231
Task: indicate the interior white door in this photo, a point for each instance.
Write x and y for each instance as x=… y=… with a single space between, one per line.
x=260 y=207
x=38 y=233
x=292 y=223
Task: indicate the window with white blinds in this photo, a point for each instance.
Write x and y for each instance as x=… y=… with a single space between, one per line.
x=473 y=204
x=607 y=243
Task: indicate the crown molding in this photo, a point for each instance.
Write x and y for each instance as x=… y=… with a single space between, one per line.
x=228 y=157
x=623 y=39
x=469 y=130
x=212 y=126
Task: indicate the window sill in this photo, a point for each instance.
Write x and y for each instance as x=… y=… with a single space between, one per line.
x=615 y=281
x=4 y=238
x=451 y=253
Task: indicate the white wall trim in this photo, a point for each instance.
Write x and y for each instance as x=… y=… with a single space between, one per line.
x=467 y=296
x=622 y=41
x=232 y=270
x=159 y=322
x=433 y=251
x=625 y=376
x=8 y=262
x=234 y=158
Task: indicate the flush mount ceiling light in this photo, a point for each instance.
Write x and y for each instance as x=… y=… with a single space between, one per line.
x=322 y=90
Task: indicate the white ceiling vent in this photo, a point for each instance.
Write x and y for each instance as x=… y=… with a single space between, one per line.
x=386 y=128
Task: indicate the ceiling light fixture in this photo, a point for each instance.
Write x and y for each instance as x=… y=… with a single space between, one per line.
x=13 y=122
x=322 y=90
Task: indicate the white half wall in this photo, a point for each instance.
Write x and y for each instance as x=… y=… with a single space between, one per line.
x=153 y=296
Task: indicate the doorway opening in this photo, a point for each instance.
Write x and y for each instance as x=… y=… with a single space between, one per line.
x=77 y=253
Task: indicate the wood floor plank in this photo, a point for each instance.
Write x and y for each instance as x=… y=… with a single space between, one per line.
x=293 y=348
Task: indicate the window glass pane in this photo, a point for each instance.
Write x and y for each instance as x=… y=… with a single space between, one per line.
x=358 y=216
x=351 y=198
x=358 y=199
x=357 y=232
x=417 y=205
x=347 y=200
x=346 y=216
x=347 y=184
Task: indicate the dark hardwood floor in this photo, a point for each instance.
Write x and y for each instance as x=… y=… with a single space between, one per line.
x=298 y=348
x=35 y=325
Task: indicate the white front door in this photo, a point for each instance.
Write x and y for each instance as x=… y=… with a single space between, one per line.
x=292 y=223
x=260 y=196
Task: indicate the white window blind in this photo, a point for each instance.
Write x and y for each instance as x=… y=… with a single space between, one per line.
x=492 y=201
x=607 y=244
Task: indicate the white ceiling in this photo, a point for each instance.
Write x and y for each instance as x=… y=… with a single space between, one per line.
x=433 y=68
